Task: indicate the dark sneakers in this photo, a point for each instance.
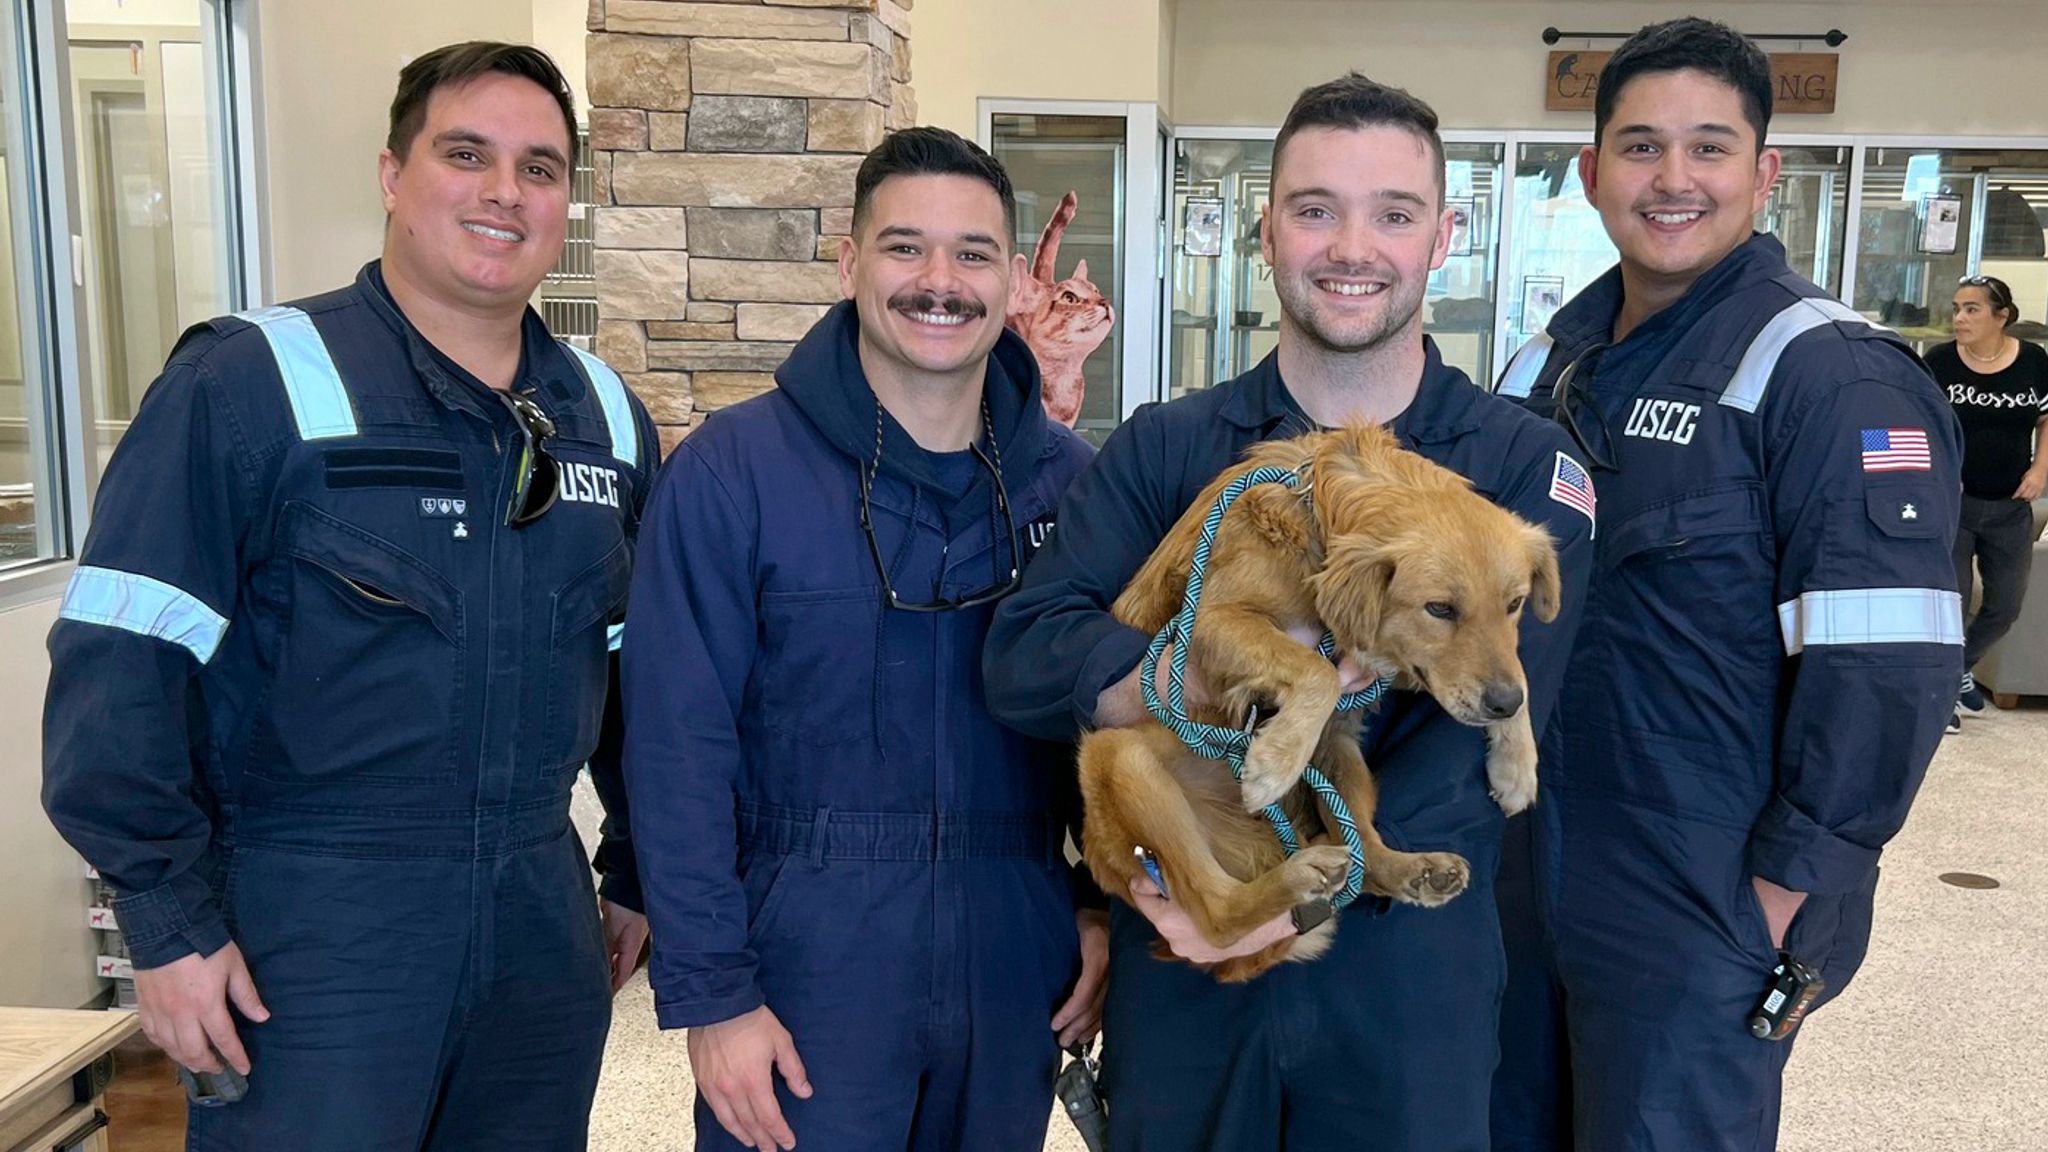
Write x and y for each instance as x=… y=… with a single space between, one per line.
x=1969 y=701
x=1955 y=722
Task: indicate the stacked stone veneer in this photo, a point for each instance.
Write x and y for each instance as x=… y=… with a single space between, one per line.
x=725 y=137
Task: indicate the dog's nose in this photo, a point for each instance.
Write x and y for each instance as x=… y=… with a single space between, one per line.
x=1500 y=701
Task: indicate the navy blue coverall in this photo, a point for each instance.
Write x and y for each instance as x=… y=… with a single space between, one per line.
x=309 y=693
x=1389 y=1040
x=1770 y=650
x=828 y=820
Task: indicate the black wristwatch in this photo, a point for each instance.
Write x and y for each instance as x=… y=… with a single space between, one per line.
x=1311 y=915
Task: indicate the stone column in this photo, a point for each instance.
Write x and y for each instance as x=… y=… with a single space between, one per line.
x=725 y=137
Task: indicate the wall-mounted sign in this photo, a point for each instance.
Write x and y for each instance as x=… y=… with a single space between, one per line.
x=1802 y=82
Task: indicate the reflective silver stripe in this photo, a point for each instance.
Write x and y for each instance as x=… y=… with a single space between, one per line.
x=320 y=402
x=144 y=606
x=1527 y=365
x=614 y=635
x=1746 y=388
x=611 y=395
x=1871 y=616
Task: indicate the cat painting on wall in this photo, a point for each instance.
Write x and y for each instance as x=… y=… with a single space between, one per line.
x=1061 y=320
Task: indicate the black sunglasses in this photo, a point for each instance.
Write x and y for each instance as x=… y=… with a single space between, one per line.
x=1572 y=393
x=1003 y=585
x=539 y=476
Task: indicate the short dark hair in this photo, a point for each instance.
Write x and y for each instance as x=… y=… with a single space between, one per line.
x=1353 y=101
x=1998 y=292
x=458 y=64
x=931 y=152
x=1689 y=44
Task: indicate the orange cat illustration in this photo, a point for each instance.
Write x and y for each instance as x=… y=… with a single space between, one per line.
x=1062 y=320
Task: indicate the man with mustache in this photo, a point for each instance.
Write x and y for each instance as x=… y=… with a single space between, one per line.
x=857 y=879
x=1773 y=635
x=1388 y=1040
x=339 y=644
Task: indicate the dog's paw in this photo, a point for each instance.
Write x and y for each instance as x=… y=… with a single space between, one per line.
x=1272 y=767
x=1318 y=872
x=1431 y=879
x=1514 y=792
x=1511 y=773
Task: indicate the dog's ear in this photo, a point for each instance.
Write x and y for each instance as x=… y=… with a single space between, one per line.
x=1546 y=588
x=1351 y=587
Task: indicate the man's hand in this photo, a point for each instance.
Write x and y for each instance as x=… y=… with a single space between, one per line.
x=1080 y=1018
x=1780 y=905
x=1186 y=942
x=183 y=1006
x=734 y=1063
x=2031 y=484
x=625 y=940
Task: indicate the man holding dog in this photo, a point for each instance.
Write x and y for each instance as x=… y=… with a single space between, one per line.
x=336 y=649
x=1390 y=1037
x=856 y=877
x=1773 y=634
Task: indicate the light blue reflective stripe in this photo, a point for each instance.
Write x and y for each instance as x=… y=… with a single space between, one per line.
x=618 y=413
x=1746 y=388
x=320 y=402
x=1520 y=378
x=145 y=607
x=1871 y=616
x=614 y=635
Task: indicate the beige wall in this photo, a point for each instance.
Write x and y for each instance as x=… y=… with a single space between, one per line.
x=1480 y=62
x=962 y=50
x=328 y=73
x=46 y=951
x=559 y=28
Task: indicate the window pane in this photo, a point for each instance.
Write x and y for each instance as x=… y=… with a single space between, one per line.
x=1223 y=315
x=1461 y=299
x=1048 y=156
x=28 y=488
x=1808 y=211
x=1909 y=254
x=1563 y=246
x=151 y=191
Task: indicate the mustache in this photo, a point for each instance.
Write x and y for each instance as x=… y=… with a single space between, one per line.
x=931 y=302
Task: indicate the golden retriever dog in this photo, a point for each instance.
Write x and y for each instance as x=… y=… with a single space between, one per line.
x=1418 y=578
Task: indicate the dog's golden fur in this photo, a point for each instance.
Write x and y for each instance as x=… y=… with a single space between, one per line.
x=1417 y=577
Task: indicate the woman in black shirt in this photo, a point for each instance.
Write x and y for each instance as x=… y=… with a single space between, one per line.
x=1998 y=386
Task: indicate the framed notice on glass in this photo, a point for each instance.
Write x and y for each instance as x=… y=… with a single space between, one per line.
x=1940 y=219
x=1202 y=231
x=1542 y=296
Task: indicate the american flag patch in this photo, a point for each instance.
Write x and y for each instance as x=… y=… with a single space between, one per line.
x=1896 y=450
x=1571 y=487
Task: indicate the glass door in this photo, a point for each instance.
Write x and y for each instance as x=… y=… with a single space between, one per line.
x=151 y=184
x=1049 y=156
x=1808 y=211
x=1461 y=302
x=1559 y=244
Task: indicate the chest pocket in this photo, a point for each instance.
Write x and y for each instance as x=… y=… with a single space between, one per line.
x=373 y=631
x=1685 y=634
x=818 y=679
x=579 y=656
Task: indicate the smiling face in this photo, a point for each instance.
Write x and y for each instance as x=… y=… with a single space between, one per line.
x=1354 y=228
x=1678 y=175
x=929 y=274
x=479 y=205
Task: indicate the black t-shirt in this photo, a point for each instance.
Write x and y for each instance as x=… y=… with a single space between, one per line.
x=1998 y=411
